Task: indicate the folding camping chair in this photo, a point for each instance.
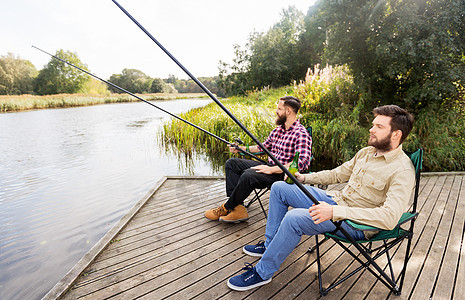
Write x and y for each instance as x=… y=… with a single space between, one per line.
x=260 y=192
x=389 y=239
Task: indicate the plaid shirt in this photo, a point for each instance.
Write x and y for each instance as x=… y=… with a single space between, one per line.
x=284 y=143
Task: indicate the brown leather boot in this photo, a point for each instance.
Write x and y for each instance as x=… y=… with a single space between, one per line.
x=238 y=214
x=216 y=213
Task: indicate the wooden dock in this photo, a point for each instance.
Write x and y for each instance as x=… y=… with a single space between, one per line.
x=165 y=249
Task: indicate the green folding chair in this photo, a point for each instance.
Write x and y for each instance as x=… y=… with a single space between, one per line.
x=389 y=239
x=260 y=192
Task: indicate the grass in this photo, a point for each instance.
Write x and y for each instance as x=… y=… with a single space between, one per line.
x=28 y=102
x=256 y=113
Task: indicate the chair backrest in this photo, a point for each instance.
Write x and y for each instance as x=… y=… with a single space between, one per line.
x=310 y=133
x=417 y=160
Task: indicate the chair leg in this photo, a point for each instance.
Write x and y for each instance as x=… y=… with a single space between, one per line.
x=389 y=262
x=312 y=249
x=320 y=280
x=404 y=268
x=263 y=209
x=257 y=196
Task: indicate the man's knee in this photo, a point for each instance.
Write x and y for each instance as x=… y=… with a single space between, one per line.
x=276 y=193
x=281 y=189
x=250 y=175
x=278 y=186
x=231 y=163
x=294 y=219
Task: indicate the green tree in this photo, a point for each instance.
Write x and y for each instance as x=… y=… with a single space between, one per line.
x=233 y=78
x=160 y=86
x=272 y=58
x=312 y=41
x=406 y=52
x=157 y=86
x=16 y=75
x=58 y=77
x=132 y=80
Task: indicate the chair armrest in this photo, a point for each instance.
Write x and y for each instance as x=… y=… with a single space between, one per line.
x=404 y=218
x=254 y=153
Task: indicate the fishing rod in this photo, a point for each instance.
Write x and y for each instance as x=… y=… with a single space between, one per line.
x=235 y=145
x=280 y=165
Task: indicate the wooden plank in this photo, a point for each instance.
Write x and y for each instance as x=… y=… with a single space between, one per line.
x=157 y=229
x=201 y=273
x=161 y=275
x=460 y=238
x=436 y=249
x=108 y=258
x=426 y=223
x=144 y=263
x=171 y=252
x=448 y=269
x=334 y=266
x=213 y=289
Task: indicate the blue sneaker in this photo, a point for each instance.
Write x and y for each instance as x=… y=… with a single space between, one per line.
x=255 y=250
x=248 y=280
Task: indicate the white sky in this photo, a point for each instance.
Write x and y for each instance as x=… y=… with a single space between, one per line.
x=199 y=33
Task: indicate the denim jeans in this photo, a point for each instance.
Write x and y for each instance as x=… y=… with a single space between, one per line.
x=284 y=228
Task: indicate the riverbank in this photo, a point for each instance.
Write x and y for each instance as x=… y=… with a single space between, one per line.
x=29 y=102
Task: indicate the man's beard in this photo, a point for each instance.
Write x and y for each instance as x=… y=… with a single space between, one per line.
x=280 y=120
x=383 y=145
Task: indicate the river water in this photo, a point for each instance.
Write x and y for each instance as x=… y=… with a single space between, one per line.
x=67 y=176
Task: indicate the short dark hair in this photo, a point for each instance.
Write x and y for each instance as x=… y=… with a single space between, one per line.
x=292 y=102
x=400 y=119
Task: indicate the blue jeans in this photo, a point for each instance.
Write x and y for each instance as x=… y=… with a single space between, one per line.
x=284 y=228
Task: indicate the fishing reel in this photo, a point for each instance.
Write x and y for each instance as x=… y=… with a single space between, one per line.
x=239 y=141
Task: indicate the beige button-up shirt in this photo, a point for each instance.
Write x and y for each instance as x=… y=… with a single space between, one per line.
x=378 y=188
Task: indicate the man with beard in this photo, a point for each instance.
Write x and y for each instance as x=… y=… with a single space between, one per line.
x=380 y=179
x=243 y=175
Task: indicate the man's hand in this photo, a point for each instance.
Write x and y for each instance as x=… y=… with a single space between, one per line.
x=298 y=176
x=233 y=149
x=267 y=169
x=321 y=212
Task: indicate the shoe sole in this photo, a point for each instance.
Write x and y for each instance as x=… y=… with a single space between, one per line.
x=233 y=221
x=246 y=288
x=252 y=253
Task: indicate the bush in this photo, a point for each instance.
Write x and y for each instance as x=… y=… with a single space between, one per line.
x=329 y=91
x=441 y=133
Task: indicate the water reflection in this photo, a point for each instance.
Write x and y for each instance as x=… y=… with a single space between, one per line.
x=68 y=175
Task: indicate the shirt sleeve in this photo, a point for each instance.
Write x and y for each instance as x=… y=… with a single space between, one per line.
x=386 y=216
x=304 y=146
x=336 y=175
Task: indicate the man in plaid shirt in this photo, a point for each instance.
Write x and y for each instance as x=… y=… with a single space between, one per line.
x=243 y=175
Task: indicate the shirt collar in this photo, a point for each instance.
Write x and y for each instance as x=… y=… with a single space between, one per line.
x=391 y=155
x=295 y=124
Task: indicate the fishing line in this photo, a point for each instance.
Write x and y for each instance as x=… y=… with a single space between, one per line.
x=150 y=103
x=280 y=165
